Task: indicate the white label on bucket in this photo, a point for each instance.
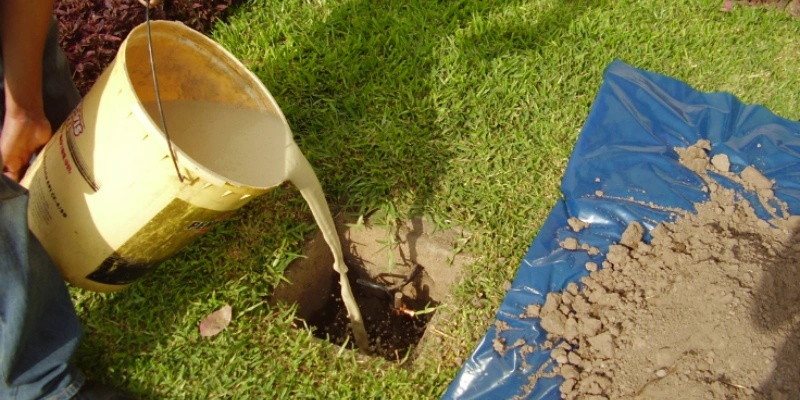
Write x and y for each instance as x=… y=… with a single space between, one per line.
x=50 y=190
x=77 y=121
x=38 y=207
x=77 y=127
x=63 y=152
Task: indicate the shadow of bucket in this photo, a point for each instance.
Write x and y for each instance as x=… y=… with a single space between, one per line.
x=105 y=198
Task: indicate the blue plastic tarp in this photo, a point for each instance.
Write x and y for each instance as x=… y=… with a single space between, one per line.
x=626 y=150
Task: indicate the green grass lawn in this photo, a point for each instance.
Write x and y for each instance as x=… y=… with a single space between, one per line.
x=466 y=111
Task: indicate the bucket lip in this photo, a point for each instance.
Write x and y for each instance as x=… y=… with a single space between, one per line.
x=195 y=167
x=218 y=50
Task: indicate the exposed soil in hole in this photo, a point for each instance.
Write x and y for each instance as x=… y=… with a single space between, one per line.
x=419 y=269
x=392 y=332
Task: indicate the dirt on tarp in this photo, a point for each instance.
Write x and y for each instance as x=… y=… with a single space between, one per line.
x=708 y=309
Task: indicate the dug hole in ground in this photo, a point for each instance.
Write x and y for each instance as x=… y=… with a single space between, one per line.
x=400 y=278
x=709 y=308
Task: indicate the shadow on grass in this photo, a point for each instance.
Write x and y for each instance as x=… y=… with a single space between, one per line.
x=362 y=95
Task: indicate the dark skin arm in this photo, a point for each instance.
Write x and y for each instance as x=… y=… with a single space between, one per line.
x=23 y=29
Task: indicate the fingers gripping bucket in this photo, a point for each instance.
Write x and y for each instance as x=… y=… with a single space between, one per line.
x=105 y=199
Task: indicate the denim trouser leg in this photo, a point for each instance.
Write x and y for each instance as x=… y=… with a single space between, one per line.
x=39 y=331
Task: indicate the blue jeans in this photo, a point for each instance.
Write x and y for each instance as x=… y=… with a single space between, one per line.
x=39 y=330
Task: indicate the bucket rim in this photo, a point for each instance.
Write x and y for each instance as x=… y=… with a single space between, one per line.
x=190 y=167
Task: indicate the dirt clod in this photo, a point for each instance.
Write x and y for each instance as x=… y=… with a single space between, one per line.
x=721 y=162
x=576 y=224
x=632 y=235
x=755 y=178
x=499 y=345
x=570 y=244
x=533 y=310
x=708 y=309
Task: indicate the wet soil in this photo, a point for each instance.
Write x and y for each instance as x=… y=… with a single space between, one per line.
x=391 y=330
x=398 y=287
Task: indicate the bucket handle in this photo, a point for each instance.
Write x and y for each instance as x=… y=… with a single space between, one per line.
x=158 y=94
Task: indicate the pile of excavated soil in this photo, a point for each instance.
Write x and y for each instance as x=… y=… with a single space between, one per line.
x=708 y=309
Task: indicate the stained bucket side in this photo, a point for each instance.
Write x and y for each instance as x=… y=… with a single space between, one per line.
x=106 y=201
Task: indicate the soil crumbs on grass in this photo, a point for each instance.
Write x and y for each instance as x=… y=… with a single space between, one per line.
x=709 y=309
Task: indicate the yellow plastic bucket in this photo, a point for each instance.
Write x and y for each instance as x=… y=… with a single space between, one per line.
x=105 y=198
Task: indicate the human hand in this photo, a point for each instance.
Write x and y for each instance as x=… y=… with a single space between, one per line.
x=153 y=3
x=22 y=135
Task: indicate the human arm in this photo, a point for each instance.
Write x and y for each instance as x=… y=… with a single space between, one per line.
x=23 y=29
x=153 y=3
